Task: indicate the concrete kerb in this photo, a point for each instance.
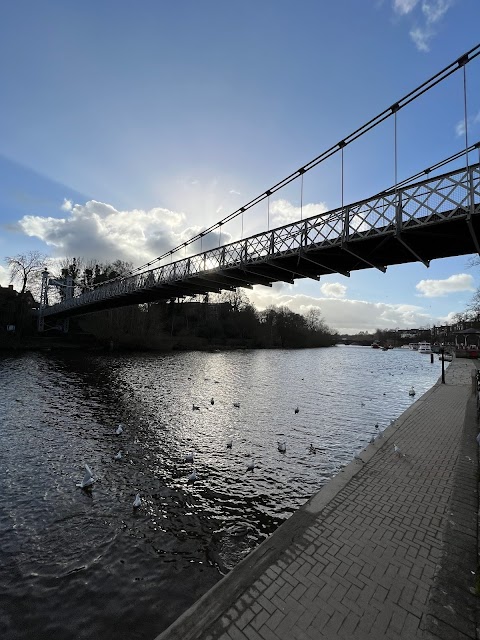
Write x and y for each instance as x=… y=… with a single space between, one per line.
x=196 y=620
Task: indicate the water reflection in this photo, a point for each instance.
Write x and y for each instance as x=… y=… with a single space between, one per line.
x=78 y=564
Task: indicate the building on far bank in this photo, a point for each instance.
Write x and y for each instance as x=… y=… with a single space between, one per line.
x=15 y=310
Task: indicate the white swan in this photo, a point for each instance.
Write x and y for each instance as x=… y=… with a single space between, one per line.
x=88 y=479
x=119 y=429
x=137 y=502
x=193 y=476
x=411 y=392
x=189 y=456
x=118 y=456
x=251 y=465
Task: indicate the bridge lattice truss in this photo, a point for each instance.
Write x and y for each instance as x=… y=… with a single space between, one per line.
x=434 y=218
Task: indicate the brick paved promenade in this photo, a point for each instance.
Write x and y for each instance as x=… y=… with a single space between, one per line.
x=387 y=549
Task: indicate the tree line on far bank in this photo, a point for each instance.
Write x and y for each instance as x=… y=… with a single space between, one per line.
x=225 y=319
x=220 y=320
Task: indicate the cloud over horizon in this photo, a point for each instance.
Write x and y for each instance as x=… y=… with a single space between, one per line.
x=333 y=290
x=439 y=288
x=347 y=316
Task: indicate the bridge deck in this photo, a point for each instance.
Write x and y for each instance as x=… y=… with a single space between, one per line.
x=434 y=218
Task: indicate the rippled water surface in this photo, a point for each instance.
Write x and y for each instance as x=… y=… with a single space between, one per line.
x=85 y=565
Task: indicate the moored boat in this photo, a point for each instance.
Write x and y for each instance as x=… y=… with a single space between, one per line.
x=424 y=347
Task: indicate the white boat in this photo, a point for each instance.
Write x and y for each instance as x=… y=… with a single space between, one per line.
x=424 y=347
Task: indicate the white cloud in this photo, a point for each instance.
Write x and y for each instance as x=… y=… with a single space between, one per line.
x=67 y=205
x=460 y=128
x=439 y=288
x=421 y=38
x=404 y=6
x=98 y=230
x=424 y=20
x=333 y=290
x=348 y=316
x=471 y=122
x=4 y=276
x=283 y=212
x=434 y=10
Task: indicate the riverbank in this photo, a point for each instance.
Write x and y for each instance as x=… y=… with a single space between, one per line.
x=387 y=549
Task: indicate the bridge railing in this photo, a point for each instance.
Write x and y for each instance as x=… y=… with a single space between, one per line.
x=442 y=197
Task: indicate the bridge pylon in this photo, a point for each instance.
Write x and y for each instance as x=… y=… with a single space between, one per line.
x=67 y=285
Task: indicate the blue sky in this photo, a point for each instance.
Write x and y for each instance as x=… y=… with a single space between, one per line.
x=126 y=127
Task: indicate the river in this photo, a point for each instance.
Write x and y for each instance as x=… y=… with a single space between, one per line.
x=84 y=565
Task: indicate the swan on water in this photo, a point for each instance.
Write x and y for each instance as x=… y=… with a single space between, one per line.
x=119 y=430
x=189 y=456
x=88 y=479
x=137 y=502
x=282 y=446
x=251 y=465
x=118 y=456
x=193 y=476
x=411 y=392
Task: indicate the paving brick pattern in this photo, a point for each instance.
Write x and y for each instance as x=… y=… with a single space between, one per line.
x=365 y=565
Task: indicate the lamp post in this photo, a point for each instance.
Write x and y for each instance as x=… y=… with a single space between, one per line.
x=442 y=352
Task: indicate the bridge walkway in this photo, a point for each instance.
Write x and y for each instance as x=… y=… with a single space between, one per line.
x=387 y=549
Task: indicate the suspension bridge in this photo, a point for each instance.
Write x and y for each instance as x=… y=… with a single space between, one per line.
x=434 y=214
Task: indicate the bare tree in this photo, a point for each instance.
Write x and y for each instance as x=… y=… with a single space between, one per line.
x=25 y=266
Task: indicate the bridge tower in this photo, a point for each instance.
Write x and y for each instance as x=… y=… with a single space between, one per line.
x=67 y=285
x=43 y=301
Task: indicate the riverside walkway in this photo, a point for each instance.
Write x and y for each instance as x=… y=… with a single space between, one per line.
x=386 y=549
